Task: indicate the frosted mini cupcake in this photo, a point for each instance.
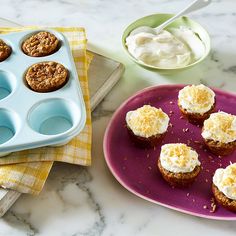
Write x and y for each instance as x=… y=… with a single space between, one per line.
x=178 y=164
x=219 y=133
x=196 y=102
x=147 y=125
x=224 y=186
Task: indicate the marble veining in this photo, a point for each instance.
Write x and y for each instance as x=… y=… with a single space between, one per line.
x=89 y=201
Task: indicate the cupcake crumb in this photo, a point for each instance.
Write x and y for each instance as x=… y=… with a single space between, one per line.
x=205 y=207
x=213 y=208
x=171 y=102
x=185 y=130
x=188 y=194
x=149 y=167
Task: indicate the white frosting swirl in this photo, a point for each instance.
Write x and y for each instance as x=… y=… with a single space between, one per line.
x=225 y=181
x=178 y=158
x=196 y=98
x=221 y=127
x=147 y=121
x=175 y=48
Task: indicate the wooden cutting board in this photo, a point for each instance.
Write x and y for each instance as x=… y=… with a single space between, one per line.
x=103 y=75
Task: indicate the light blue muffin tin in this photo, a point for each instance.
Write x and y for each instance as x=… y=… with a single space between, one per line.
x=29 y=119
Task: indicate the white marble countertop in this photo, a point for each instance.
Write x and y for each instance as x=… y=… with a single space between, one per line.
x=89 y=201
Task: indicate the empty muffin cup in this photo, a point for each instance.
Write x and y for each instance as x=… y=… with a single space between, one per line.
x=7 y=84
x=54 y=116
x=9 y=123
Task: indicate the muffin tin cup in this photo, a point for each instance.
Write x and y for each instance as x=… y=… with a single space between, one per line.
x=9 y=125
x=30 y=119
x=53 y=116
x=7 y=84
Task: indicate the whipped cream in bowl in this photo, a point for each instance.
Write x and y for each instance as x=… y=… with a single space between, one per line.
x=162 y=50
x=181 y=45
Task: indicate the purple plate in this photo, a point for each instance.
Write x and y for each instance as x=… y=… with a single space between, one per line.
x=136 y=169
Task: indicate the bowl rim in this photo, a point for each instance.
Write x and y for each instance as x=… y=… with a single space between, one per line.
x=208 y=48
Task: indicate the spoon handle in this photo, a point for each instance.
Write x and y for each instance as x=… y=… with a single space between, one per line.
x=195 y=5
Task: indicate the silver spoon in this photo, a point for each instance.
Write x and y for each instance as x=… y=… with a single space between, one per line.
x=195 y=5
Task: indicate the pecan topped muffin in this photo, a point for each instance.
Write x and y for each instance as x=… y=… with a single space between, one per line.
x=40 y=44
x=5 y=50
x=219 y=133
x=147 y=125
x=178 y=164
x=196 y=102
x=46 y=76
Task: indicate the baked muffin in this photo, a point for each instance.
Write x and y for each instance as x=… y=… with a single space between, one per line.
x=178 y=164
x=219 y=133
x=147 y=125
x=46 y=76
x=5 y=50
x=224 y=186
x=196 y=102
x=40 y=44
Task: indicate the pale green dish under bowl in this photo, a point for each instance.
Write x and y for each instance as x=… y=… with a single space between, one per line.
x=157 y=19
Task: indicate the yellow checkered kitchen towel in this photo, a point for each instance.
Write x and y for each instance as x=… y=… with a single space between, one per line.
x=26 y=171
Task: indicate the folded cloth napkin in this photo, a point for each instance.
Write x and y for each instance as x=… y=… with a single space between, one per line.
x=26 y=171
